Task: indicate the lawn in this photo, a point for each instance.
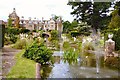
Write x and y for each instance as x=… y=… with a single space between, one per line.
x=24 y=68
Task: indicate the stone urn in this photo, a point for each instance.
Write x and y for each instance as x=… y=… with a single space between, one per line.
x=109 y=46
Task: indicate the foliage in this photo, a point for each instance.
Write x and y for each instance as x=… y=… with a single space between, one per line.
x=24 y=30
x=106 y=32
x=68 y=36
x=14 y=31
x=7 y=41
x=84 y=29
x=13 y=38
x=41 y=32
x=74 y=25
x=55 y=43
x=95 y=14
x=70 y=55
x=116 y=38
x=115 y=21
x=79 y=46
x=66 y=45
x=34 y=31
x=114 y=26
x=9 y=22
x=12 y=34
x=74 y=33
x=45 y=71
x=55 y=17
x=113 y=62
x=24 y=68
x=101 y=42
x=22 y=43
x=54 y=35
x=117 y=4
x=86 y=47
x=85 y=33
x=66 y=26
x=38 y=52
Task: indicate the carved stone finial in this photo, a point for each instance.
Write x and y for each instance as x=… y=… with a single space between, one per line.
x=13 y=9
x=110 y=36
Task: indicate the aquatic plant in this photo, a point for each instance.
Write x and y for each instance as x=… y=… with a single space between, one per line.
x=70 y=56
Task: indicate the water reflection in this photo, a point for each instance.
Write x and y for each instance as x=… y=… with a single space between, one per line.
x=77 y=69
x=70 y=61
x=45 y=71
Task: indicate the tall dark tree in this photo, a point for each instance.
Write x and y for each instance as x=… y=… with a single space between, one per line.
x=94 y=13
x=66 y=26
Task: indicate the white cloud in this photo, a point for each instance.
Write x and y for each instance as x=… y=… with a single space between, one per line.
x=36 y=8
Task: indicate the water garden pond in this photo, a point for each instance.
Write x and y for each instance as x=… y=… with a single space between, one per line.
x=82 y=68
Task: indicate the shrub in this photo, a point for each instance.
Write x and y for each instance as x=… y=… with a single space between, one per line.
x=87 y=46
x=85 y=33
x=12 y=34
x=54 y=35
x=7 y=41
x=24 y=31
x=113 y=62
x=34 y=31
x=55 y=43
x=66 y=45
x=39 y=53
x=13 y=38
x=22 y=43
x=14 y=31
x=74 y=33
x=41 y=32
x=116 y=38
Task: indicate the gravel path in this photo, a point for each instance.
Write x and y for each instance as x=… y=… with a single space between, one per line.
x=8 y=59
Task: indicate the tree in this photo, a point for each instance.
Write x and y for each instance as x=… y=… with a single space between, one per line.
x=9 y=22
x=115 y=20
x=74 y=24
x=93 y=13
x=66 y=26
x=55 y=17
x=84 y=29
x=114 y=25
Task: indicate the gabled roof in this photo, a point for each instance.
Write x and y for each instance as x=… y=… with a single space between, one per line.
x=13 y=14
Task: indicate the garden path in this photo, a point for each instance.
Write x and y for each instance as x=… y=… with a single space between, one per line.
x=8 y=59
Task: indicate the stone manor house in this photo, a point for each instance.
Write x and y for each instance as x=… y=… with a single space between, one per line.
x=34 y=24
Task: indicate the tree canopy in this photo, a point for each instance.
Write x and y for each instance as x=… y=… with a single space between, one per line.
x=94 y=13
x=115 y=20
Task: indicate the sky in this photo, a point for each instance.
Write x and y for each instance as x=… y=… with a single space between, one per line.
x=36 y=8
